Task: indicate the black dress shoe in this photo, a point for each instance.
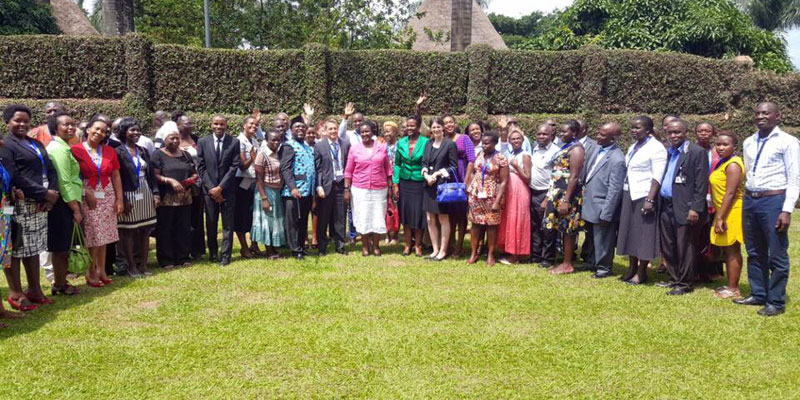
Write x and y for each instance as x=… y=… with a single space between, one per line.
x=586 y=267
x=750 y=301
x=680 y=291
x=299 y=256
x=545 y=264
x=666 y=284
x=212 y=258
x=224 y=261
x=601 y=274
x=770 y=311
x=341 y=251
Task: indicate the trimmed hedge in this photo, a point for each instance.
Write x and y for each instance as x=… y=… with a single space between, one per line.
x=390 y=81
x=46 y=66
x=82 y=110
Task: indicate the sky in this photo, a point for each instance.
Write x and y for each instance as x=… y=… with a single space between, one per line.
x=518 y=8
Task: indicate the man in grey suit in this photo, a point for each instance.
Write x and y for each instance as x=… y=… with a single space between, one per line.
x=330 y=160
x=602 y=197
x=589 y=147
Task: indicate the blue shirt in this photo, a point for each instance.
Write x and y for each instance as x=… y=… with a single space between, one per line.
x=672 y=166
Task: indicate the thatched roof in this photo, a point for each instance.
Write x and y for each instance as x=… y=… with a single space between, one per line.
x=71 y=19
x=436 y=18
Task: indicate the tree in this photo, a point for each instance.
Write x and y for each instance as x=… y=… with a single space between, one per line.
x=26 y=17
x=773 y=15
x=117 y=17
x=460 y=25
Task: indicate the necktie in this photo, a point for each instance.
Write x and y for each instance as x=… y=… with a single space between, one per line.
x=219 y=149
x=336 y=155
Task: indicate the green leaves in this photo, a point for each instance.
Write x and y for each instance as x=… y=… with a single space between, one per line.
x=26 y=17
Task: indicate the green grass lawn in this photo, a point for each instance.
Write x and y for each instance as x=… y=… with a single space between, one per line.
x=397 y=327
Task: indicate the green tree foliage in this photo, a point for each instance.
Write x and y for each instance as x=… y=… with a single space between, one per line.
x=773 y=15
x=710 y=28
x=20 y=17
x=516 y=31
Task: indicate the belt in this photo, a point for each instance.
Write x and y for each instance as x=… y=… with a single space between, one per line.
x=766 y=193
x=538 y=192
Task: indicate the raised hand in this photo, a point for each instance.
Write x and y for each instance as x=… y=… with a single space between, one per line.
x=308 y=110
x=422 y=98
x=257 y=115
x=349 y=109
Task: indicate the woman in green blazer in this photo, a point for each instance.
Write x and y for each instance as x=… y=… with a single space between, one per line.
x=409 y=184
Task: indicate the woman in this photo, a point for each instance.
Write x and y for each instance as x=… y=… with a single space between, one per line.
x=513 y=236
x=367 y=176
x=141 y=198
x=188 y=143
x=33 y=174
x=465 y=152
x=638 y=227
x=268 y=214
x=565 y=197
x=486 y=187
x=102 y=187
x=475 y=133
x=243 y=218
x=408 y=184
x=67 y=210
x=389 y=139
x=726 y=192
x=6 y=209
x=175 y=173
x=439 y=163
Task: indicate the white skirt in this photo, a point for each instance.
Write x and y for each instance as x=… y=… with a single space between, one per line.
x=369 y=210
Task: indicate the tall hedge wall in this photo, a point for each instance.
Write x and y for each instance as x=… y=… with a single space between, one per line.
x=46 y=66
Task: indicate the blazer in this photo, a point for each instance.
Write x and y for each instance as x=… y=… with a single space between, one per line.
x=446 y=157
x=590 y=146
x=213 y=173
x=127 y=170
x=27 y=167
x=405 y=167
x=690 y=185
x=602 y=192
x=323 y=162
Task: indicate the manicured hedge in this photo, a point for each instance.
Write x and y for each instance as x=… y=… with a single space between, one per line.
x=46 y=66
x=227 y=80
x=80 y=109
x=390 y=81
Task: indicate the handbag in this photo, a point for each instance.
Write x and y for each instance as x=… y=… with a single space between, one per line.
x=79 y=259
x=392 y=217
x=452 y=192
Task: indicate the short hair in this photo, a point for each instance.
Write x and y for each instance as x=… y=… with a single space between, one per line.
x=177 y=114
x=372 y=127
x=390 y=124
x=52 y=121
x=492 y=135
x=271 y=132
x=219 y=116
x=713 y=128
x=646 y=121
x=573 y=125
x=731 y=135
x=416 y=118
x=683 y=123
x=436 y=120
x=249 y=118
x=516 y=131
x=478 y=123
x=96 y=118
x=12 y=109
x=125 y=125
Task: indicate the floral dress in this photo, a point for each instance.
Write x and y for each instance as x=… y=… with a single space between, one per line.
x=6 y=205
x=571 y=223
x=480 y=205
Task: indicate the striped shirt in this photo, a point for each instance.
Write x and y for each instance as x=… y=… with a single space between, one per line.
x=777 y=167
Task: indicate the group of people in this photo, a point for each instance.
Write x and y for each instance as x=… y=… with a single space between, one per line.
x=691 y=205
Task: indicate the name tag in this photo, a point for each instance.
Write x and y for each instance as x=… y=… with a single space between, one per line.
x=8 y=210
x=138 y=196
x=679 y=179
x=482 y=195
x=625 y=187
x=99 y=194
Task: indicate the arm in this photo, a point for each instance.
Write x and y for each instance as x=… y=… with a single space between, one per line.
x=501 y=188
x=452 y=159
x=525 y=171
x=575 y=167
x=700 y=189
x=658 y=164
x=616 y=180
x=287 y=167
x=733 y=178
x=150 y=175
x=244 y=161
x=116 y=181
x=318 y=164
x=201 y=166
x=229 y=178
x=262 y=191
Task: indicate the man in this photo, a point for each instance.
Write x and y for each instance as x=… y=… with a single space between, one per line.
x=281 y=124
x=506 y=126
x=218 y=160
x=771 y=190
x=543 y=246
x=41 y=133
x=602 y=197
x=330 y=158
x=589 y=147
x=554 y=137
x=357 y=118
x=113 y=138
x=683 y=208
x=299 y=177
x=589 y=144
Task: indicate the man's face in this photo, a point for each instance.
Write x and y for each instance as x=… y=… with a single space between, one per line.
x=767 y=116
x=51 y=109
x=299 y=131
x=219 y=126
x=676 y=133
x=605 y=135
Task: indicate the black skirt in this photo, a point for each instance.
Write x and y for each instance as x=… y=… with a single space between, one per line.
x=412 y=215
x=243 y=210
x=638 y=233
x=59 y=227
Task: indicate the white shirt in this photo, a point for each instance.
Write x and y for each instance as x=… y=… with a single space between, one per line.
x=249 y=175
x=147 y=143
x=644 y=166
x=540 y=166
x=777 y=168
x=351 y=135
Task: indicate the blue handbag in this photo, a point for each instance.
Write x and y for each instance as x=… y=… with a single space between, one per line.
x=452 y=192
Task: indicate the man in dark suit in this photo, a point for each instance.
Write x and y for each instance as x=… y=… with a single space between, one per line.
x=330 y=158
x=683 y=205
x=602 y=197
x=218 y=160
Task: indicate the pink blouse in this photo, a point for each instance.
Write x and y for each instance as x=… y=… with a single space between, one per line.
x=368 y=170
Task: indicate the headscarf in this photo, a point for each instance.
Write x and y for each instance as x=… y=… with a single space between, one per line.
x=166 y=129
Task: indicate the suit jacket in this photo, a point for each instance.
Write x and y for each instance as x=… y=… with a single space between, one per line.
x=602 y=192
x=446 y=157
x=27 y=167
x=323 y=162
x=589 y=147
x=690 y=194
x=213 y=173
x=127 y=170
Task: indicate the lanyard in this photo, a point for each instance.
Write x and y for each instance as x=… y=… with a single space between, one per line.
x=38 y=154
x=98 y=163
x=483 y=170
x=567 y=145
x=636 y=148
x=137 y=162
x=760 y=144
x=722 y=161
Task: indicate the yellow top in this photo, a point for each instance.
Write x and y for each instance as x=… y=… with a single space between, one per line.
x=718 y=183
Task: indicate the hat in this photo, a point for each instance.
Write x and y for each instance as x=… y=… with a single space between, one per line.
x=166 y=129
x=297 y=119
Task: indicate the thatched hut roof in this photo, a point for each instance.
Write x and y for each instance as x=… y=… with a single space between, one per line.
x=436 y=18
x=71 y=19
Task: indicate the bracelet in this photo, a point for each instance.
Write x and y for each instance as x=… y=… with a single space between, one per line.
x=651 y=201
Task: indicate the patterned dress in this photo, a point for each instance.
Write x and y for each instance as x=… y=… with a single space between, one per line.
x=571 y=223
x=5 y=219
x=482 y=191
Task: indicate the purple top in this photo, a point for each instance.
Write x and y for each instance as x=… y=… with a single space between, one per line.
x=466 y=154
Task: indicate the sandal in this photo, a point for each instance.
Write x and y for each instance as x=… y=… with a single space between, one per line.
x=39 y=300
x=728 y=293
x=275 y=256
x=21 y=305
x=67 y=289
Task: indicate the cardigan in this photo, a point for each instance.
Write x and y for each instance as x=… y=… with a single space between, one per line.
x=28 y=175
x=127 y=169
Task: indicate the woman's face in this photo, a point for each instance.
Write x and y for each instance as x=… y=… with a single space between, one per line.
x=437 y=130
x=516 y=140
x=705 y=134
x=449 y=125
x=19 y=124
x=638 y=130
x=185 y=125
x=311 y=135
x=390 y=133
x=133 y=134
x=96 y=133
x=172 y=141
x=274 y=141
x=725 y=146
x=250 y=127
x=487 y=144
x=411 y=127
x=474 y=132
x=366 y=134
x=65 y=128
x=567 y=134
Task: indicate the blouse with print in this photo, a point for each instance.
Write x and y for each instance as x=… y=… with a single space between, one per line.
x=88 y=164
x=368 y=168
x=179 y=168
x=272 y=167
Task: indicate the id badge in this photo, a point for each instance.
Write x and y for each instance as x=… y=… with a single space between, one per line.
x=679 y=179
x=482 y=195
x=99 y=194
x=625 y=187
x=8 y=210
x=138 y=196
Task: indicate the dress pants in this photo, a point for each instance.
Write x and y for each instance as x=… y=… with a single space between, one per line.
x=172 y=235
x=603 y=241
x=587 y=248
x=213 y=210
x=296 y=222
x=543 y=242
x=332 y=218
x=767 y=249
x=679 y=245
